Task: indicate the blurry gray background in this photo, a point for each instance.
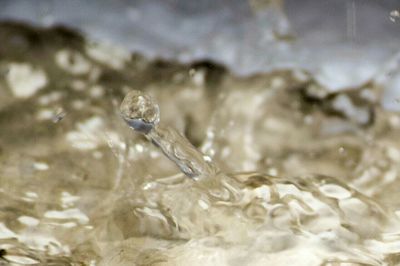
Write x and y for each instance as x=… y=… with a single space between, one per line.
x=343 y=42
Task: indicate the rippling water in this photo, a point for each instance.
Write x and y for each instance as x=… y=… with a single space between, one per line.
x=314 y=174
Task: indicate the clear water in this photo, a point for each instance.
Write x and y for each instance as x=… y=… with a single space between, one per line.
x=302 y=176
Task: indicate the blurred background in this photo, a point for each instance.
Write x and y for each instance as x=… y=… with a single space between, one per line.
x=344 y=42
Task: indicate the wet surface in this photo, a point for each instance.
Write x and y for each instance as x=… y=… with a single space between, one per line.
x=78 y=187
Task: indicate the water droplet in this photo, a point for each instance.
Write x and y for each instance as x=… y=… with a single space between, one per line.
x=394 y=14
x=140 y=111
x=60 y=114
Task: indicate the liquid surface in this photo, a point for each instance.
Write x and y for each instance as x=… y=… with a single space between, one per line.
x=305 y=176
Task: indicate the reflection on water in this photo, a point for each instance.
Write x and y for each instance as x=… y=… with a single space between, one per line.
x=313 y=173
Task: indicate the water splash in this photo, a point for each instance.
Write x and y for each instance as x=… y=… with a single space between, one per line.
x=316 y=211
x=113 y=199
x=141 y=113
x=351 y=19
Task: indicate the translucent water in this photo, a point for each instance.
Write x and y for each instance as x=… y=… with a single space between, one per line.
x=142 y=114
x=311 y=211
x=218 y=170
